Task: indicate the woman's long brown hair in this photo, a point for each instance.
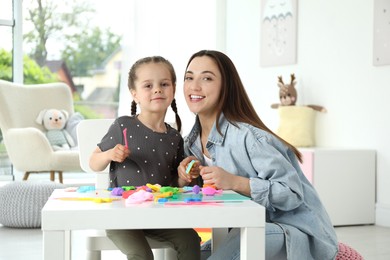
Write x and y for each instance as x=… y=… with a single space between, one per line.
x=234 y=102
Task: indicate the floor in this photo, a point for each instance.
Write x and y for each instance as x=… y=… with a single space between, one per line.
x=371 y=241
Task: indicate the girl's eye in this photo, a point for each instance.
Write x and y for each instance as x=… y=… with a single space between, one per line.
x=148 y=86
x=165 y=84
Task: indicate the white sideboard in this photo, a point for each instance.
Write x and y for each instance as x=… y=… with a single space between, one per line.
x=345 y=182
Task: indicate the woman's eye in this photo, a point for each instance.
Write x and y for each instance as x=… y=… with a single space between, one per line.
x=206 y=78
x=187 y=78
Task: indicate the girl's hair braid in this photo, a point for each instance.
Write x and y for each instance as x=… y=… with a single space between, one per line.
x=178 y=120
x=133 y=108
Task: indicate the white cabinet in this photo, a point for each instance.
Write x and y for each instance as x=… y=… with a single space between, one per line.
x=345 y=182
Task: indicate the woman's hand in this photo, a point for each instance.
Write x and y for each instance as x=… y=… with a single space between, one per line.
x=221 y=179
x=213 y=175
x=184 y=177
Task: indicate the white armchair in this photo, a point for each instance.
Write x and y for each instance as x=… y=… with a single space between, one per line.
x=28 y=148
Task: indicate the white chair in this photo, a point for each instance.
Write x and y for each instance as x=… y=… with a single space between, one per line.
x=27 y=146
x=89 y=133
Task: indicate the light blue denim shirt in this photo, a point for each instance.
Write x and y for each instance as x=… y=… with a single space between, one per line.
x=276 y=182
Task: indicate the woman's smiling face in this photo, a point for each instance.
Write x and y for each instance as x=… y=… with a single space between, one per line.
x=202 y=86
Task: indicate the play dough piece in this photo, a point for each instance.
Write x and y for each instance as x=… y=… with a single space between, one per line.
x=189 y=166
x=196 y=189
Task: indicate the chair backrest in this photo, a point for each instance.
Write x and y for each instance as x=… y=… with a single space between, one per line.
x=89 y=133
x=21 y=104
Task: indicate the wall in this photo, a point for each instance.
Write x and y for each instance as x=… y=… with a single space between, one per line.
x=174 y=29
x=334 y=66
x=334 y=69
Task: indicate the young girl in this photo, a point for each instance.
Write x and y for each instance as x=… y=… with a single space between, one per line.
x=238 y=152
x=144 y=149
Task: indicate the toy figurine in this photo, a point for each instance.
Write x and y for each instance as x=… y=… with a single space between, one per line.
x=54 y=121
x=288 y=95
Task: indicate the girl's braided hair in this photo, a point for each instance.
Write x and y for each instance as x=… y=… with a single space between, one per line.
x=133 y=78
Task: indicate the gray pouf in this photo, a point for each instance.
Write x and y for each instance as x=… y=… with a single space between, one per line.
x=21 y=202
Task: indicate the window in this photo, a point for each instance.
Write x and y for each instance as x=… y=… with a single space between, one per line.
x=5 y=11
x=6 y=25
x=11 y=36
x=10 y=43
x=79 y=49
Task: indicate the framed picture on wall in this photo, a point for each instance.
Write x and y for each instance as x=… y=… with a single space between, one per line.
x=278 y=32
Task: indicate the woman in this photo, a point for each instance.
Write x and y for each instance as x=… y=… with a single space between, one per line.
x=236 y=151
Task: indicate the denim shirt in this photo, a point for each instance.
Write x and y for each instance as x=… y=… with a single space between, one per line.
x=276 y=182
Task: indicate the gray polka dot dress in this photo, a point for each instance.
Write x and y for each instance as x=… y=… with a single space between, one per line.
x=154 y=156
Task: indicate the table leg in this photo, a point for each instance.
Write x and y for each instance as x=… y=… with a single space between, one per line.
x=252 y=243
x=56 y=245
x=218 y=234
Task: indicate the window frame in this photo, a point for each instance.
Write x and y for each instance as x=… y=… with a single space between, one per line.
x=17 y=40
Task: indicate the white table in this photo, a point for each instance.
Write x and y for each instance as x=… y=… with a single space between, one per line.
x=60 y=217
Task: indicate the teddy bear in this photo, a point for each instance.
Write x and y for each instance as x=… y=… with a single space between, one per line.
x=288 y=95
x=54 y=121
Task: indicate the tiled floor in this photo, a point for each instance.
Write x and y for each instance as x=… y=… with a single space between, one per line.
x=372 y=242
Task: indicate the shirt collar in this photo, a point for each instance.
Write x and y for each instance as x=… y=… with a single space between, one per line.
x=219 y=137
x=214 y=137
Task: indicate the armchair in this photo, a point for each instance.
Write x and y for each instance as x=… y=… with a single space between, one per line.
x=28 y=148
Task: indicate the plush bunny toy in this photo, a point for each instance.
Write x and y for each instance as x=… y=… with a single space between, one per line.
x=54 y=121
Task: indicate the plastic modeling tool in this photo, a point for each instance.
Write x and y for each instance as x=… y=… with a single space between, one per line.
x=125 y=137
x=96 y=199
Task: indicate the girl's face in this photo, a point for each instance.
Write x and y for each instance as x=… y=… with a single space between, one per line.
x=202 y=86
x=154 y=89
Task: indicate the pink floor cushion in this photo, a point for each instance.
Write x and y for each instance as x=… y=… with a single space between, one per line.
x=348 y=253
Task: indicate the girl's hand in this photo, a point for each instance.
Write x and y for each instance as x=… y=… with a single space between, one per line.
x=185 y=177
x=99 y=160
x=119 y=153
